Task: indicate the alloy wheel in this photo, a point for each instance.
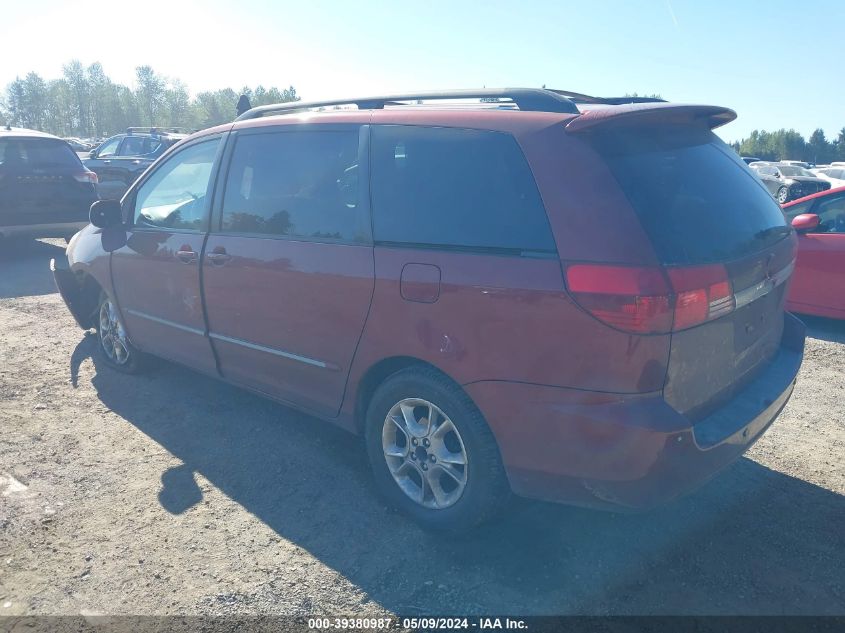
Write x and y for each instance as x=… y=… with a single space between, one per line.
x=112 y=334
x=425 y=453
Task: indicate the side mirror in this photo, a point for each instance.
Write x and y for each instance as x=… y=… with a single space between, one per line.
x=93 y=153
x=106 y=213
x=805 y=222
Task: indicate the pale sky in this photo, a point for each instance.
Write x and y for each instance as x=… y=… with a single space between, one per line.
x=777 y=62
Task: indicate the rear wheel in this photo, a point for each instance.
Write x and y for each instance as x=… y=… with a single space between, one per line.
x=112 y=341
x=783 y=195
x=432 y=453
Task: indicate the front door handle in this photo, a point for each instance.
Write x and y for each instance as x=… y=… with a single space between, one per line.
x=218 y=256
x=186 y=255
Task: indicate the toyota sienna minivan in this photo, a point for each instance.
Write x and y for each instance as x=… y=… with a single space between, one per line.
x=561 y=296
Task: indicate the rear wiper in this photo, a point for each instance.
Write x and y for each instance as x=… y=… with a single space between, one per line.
x=772 y=230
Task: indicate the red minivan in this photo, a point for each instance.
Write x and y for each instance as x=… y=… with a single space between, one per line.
x=538 y=292
x=818 y=286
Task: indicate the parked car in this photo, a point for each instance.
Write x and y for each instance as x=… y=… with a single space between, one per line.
x=119 y=160
x=834 y=175
x=77 y=145
x=796 y=163
x=751 y=159
x=788 y=182
x=44 y=189
x=555 y=303
x=818 y=285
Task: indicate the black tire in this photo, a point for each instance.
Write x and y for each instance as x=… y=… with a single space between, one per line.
x=133 y=362
x=486 y=489
x=782 y=195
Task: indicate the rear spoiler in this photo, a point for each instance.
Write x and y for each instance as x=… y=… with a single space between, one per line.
x=644 y=113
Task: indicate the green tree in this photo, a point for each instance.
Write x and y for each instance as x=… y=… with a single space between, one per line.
x=150 y=94
x=80 y=91
x=819 y=150
x=85 y=102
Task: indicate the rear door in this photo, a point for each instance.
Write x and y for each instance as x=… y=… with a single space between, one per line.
x=157 y=273
x=42 y=182
x=288 y=271
x=819 y=282
x=706 y=215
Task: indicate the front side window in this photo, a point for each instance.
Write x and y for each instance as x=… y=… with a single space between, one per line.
x=109 y=148
x=174 y=196
x=296 y=184
x=798 y=209
x=831 y=215
x=455 y=188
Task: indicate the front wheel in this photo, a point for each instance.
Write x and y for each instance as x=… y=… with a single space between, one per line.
x=432 y=453
x=113 y=343
x=783 y=195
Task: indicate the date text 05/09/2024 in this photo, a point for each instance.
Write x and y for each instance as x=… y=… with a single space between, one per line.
x=425 y=623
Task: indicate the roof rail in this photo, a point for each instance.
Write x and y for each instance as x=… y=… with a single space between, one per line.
x=532 y=99
x=157 y=130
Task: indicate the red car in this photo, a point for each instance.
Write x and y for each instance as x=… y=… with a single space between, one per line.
x=521 y=297
x=818 y=285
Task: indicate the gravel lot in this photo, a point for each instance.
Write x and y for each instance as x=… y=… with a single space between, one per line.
x=173 y=493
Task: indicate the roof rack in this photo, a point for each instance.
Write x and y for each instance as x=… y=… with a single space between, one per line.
x=157 y=130
x=532 y=99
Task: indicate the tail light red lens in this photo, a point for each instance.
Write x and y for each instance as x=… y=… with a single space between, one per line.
x=630 y=299
x=86 y=176
x=702 y=293
x=651 y=300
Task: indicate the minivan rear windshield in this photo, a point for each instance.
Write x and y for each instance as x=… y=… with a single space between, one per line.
x=694 y=196
x=29 y=153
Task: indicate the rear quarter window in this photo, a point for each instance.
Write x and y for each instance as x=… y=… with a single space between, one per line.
x=455 y=188
x=694 y=196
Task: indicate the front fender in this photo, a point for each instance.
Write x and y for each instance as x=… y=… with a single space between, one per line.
x=85 y=272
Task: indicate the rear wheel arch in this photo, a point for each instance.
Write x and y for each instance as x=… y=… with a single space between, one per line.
x=375 y=376
x=381 y=371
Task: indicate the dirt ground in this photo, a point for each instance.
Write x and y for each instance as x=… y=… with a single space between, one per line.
x=173 y=493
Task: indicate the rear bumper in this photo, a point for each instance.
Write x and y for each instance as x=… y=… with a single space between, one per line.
x=57 y=229
x=628 y=450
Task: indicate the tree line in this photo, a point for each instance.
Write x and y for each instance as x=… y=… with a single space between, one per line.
x=85 y=102
x=790 y=145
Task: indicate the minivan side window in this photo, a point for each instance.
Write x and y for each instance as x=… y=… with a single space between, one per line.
x=174 y=196
x=296 y=184
x=455 y=188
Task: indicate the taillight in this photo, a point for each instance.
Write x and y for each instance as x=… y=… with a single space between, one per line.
x=702 y=293
x=631 y=299
x=651 y=300
x=86 y=176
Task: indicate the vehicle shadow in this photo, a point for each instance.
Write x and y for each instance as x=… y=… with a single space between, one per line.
x=753 y=541
x=25 y=267
x=832 y=330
